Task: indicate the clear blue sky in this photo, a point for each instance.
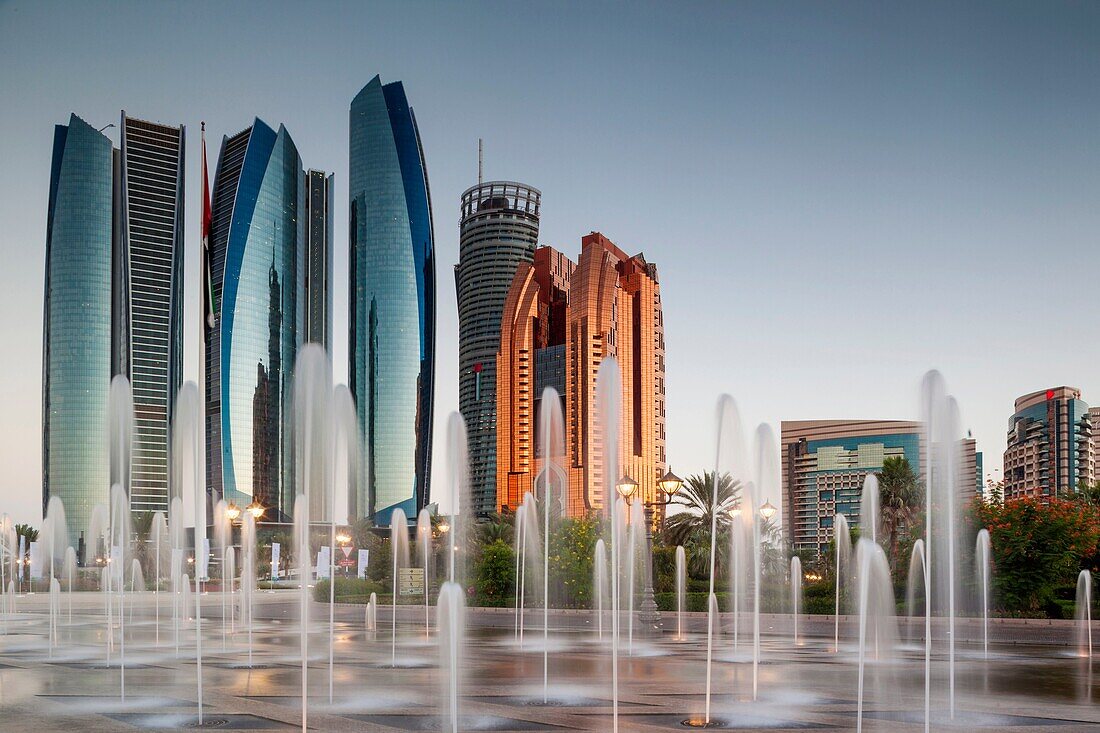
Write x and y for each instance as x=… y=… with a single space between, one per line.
x=839 y=196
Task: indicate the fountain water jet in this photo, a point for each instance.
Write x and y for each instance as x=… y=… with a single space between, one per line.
x=552 y=430
x=450 y=621
x=399 y=547
x=1083 y=612
x=608 y=410
x=424 y=551
x=599 y=583
x=681 y=581
x=796 y=593
x=187 y=450
x=916 y=576
x=876 y=604
x=982 y=561
x=842 y=543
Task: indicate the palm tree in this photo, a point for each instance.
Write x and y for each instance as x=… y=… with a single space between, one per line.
x=691 y=526
x=899 y=498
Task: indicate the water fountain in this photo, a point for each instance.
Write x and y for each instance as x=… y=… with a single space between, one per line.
x=248 y=576
x=681 y=583
x=796 y=594
x=941 y=457
x=399 y=547
x=371 y=613
x=599 y=584
x=344 y=454
x=529 y=548
x=608 y=412
x=635 y=542
x=158 y=537
x=302 y=547
x=187 y=450
x=450 y=607
x=869 y=515
x=1083 y=613
x=876 y=611
x=842 y=546
x=916 y=578
x=424 y=555
x=982 y=566
x=552 y=432
x=451 y=628
x=862 y=579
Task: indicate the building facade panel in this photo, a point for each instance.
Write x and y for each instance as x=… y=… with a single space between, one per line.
x=318 y=258
x=392 y=303
x=258 y=265
x=560 y=322
x=825 y=462
x=1050 y=445
x=76 y=363
x=148 y=272
x=499 y=230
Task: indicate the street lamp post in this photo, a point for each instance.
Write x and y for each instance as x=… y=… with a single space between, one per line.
x=668 y=485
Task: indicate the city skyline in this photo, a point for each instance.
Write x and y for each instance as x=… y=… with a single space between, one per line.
x=975 y=209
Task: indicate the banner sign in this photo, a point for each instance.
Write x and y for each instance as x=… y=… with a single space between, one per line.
x=324 y=557
x=118 y=573
x=204 y=561
x=36 y=561
x=410 y=581
x=364 y=560
x=275 y=548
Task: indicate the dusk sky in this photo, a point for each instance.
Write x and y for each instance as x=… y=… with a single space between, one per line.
x=838 y=196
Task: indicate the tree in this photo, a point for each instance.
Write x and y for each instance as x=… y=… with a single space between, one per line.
x=899 y=499
x=496 y=528
x=27 y=531
x=572 y=545
x=691 y=525
x=496 y=574
x=1088 y=493
x=696 y=499
x=1037 y=548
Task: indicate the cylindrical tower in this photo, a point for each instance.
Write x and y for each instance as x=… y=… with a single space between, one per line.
x=498 y=230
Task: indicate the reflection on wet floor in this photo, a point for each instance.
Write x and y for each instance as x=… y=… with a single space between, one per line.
x=661 y=686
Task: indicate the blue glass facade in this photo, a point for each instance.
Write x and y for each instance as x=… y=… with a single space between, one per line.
x=258 y=269
x=76 y=363
x=391 y=303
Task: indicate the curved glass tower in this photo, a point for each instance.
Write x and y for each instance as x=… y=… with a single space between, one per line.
x=76 y=343
x=391 y=303
x=499 y=230
x=257 y=272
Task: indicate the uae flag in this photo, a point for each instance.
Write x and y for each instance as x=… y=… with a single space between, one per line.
x=207 y=273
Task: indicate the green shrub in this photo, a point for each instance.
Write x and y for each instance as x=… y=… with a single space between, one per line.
x=496 y=575
x=348 y=590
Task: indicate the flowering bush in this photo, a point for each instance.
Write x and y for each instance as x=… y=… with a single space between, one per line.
x=1038 y=548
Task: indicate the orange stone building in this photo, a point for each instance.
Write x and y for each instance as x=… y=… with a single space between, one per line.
x=560 y=321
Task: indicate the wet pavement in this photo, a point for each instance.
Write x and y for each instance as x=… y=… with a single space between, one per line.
x=662 y=680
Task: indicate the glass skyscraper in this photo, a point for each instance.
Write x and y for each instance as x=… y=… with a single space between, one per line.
x=499 y=231
x=148 y=296
x=76 y=343
x=391 y=303
x=257 y=271
x=318 y=276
